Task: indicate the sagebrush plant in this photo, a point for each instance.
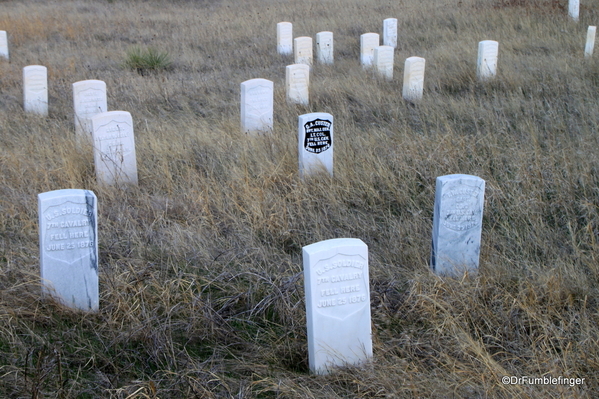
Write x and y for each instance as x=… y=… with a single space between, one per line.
x=200 y=265
x=144 y=60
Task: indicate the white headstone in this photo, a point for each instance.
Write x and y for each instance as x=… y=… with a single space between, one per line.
x=302 y=47
x=3 y=44
x=68 y=235
x=297 y=82
x=590 y=45
x=487 y=59
x=324 y=47
x=573 y=7
x=315 y=143
x=390 y=32
x=89 y=99
x=413 y=78
x=35 y=89
x=457 y=224
x=383 y=61
x=257 y=106
x=368 y=41
x=337 y=303
x=114 y=148
x=285 y=38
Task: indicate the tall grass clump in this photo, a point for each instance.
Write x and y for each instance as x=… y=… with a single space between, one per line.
x=146 y=60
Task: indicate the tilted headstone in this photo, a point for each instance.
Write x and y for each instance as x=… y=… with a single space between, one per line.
x=573 y=8
x=315 y=143
x=337 y=303
x=413 y=78
x=3 y=44
x=257 y=106
x=590 y=45
x=297 y=83
x=89 y=99
x=285 y=38
x=114 y=148
x=457 y=224
x=302 y=47
x=383 y=61
x=68 y=234
x=487 y=59
x=368 y=41
x=35 y=89
x=324 y=47
x=390 y=32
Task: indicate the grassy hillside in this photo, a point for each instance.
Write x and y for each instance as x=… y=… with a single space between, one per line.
x=200 y=266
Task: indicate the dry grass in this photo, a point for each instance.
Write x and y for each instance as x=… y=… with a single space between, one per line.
x=200 y=275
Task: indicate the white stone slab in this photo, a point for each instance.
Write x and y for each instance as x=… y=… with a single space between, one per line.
x=383 y=61
x=3 y=45
x=324 y=47
x=390 y=32
x=457 y=224
x=413 y=78
x=573 y=9
x=590 y=45
x=337 y=303
x=487 y=59
x=89 y=99
x=302 y=47
x=68 y=235
x=315 y=143
x=257 y=106
x=297 y=83
x=35 y=89
x=368 y=41
x=114 y=148
x=285 y=38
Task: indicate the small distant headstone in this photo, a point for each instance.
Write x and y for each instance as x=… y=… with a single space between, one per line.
x=337 y=303
x=315 y=143
x=368 y=41
x=3 y=44
x=390 y=32
x=35 y=89
x=324 y=47
x=588 y=49
x=297 y=82
x=114 y=148
x=257 y=106
x=573 y=8
x=302 y=47
x=68 y=234
x=285 y=38
x=457 y=224
x=383 y=61
x=487 y=59
x=89 y=99
x=413 y=79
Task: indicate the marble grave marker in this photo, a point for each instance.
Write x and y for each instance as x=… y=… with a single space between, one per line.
x=257 y=106
x=315 y=143
x=89 y=99
x=413 y=78
x=337 y=303
x=457 y=224
x=3 y=44
x=590 y=45
x=383 y=61
x=324 y=47
x=297 y=83
x=114 y=148
x=486 y=67
x=390 y=32
x=302 y=47
x=285 y=38
x=35 y=89
x=68 y=235
x=368 y=41
x=573 y=9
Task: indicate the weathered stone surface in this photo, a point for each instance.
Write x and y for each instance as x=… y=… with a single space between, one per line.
x=35 y=89
x=89 y=99
x=324 y=47
x=315 y=143
x=302 y=47
x=590 y=44
x=257 y=106
x=573 y=9
x=487 y=59
x=297 y=83
x=413 y=79
x=285 y=38
x=390 y=32
x=383 y=61
x=3 y=44
x=368 y=41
